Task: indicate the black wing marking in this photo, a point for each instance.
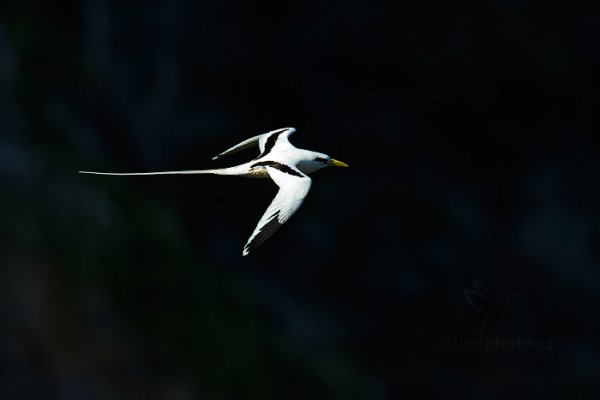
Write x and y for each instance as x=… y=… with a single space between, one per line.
x=281 y=167
x=265 y=232
x=272 y=139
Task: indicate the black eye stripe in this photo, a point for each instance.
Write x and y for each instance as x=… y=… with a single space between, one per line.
x=321 y=159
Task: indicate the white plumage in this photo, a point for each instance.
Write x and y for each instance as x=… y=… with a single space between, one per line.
x=279 y=160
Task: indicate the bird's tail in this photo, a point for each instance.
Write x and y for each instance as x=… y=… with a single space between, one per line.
x=222 y=171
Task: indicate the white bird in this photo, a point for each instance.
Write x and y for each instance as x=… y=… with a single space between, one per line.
x=279 y=160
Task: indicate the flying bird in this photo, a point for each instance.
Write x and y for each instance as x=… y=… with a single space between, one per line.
x=279 y=160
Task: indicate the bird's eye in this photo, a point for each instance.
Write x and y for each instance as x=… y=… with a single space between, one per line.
x=321 y=160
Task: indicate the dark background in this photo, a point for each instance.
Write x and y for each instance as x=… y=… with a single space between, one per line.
x=471 y=130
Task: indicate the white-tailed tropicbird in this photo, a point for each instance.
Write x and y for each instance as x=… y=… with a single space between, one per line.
x=279 y=160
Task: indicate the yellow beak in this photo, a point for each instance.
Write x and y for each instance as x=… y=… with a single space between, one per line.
x=337 y=163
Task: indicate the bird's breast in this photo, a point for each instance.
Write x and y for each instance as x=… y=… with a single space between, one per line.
x=258 y=173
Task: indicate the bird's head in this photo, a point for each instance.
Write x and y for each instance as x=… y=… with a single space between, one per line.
x=319 y=161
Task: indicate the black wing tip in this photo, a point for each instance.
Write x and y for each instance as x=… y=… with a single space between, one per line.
x=267 y=230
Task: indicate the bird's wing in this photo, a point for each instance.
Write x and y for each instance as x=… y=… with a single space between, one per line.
x=265 y=142
x=278 y=137
x=293 y=187
x=246 y=144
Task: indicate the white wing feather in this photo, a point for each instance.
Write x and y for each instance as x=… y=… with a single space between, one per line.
x=292 y=191
x=260 y=141
x=246 y=144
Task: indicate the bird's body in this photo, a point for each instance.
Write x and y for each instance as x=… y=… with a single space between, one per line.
x=280 y=161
